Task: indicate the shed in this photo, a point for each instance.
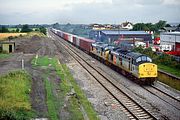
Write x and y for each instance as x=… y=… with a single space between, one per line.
x=8 y=46
x=115 y=35
x=171 y=39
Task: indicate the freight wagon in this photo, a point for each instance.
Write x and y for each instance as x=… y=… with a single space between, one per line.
x=80 y=42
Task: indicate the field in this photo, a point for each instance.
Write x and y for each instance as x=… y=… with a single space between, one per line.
x=6 y=35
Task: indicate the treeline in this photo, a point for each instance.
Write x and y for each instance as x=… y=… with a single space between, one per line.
x=150 y=27
x=25 y=28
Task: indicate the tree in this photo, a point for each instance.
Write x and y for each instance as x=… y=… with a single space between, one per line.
x=17 y=30
x=4 y=29
x=43 y=30
x=56 y=25
x=138 y=26
x=26 y=28
x=36 y=29
x=160 y=24
x=179 y=25
x=167 y=25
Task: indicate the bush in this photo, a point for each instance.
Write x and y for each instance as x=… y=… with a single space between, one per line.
x=26 y=28
x=43 y=30
x=16 y=115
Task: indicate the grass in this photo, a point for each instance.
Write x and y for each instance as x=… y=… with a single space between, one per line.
x=67 y=84
x=3 y=56
x=171 y=82
x=168 y=69
x=14 y=96
x=52 y=111
x=81 y=96
x=30 y=34
x=51 y=100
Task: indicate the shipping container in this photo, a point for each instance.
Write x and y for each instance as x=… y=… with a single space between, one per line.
x=74 y=40
x=70 y=38
x=65 y=36
x=77 y=41
x=85 y=44
x=61 y=34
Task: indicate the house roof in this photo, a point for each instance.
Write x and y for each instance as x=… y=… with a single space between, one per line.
x=110 y=32
x=126 y=23
x=170 y=28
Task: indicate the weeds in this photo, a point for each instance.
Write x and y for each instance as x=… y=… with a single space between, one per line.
x=67 y=84
x=14 y=96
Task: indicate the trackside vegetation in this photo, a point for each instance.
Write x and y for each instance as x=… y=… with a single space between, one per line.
x=15 y=103
x=164 y=61
x=69 y=97
x=3 y=55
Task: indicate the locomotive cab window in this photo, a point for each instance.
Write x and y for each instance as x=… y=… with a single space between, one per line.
x=138 y=59
x=149 y=59
x=143 y=59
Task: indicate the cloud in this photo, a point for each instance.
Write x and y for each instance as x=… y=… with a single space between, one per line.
x=171 y=2
x=88 y=11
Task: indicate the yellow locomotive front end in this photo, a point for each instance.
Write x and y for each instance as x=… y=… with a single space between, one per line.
x=148 y=70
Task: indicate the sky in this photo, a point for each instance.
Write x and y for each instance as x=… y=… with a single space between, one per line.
x=88 y=11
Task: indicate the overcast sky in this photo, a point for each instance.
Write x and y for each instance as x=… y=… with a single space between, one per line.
x=88 y=11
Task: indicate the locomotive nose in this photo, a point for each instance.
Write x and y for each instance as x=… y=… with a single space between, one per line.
x=147 y=70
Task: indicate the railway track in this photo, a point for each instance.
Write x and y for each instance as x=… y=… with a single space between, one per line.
x=129 y=106
x=171 y=100
x=177 y=99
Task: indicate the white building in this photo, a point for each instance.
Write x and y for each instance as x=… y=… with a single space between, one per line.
x=127 y=25
x=171 y=39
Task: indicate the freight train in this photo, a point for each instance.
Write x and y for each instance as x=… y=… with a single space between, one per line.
x=137 y=66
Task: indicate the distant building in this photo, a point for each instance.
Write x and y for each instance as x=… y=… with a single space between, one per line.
x=111 y=36
x=170 y=29
x=95 y=35
x=170 y=39
x=97 y=27
x=8 y=46
x=127 y=25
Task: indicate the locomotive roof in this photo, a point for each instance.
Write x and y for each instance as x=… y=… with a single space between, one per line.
x=118 y=51
x=109 y=47
x=99 y=44
x=134 y=54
